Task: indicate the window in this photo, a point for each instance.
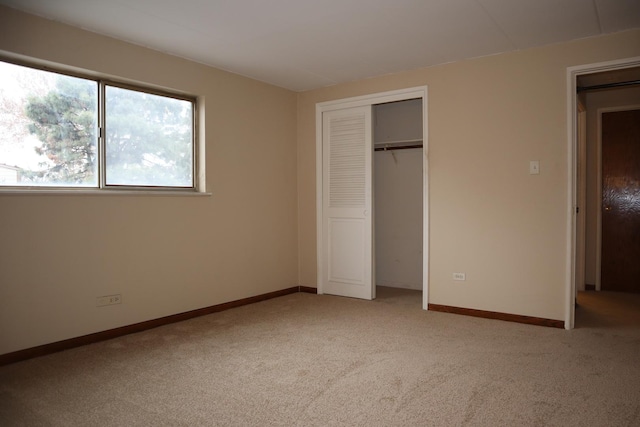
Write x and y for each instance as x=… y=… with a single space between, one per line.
x=58 y=130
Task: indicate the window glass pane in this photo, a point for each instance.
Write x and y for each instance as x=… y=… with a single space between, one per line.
x=149 y=139
x=48 y=125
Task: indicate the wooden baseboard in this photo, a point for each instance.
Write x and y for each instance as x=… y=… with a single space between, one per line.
x=55 y=347
x=539 y=321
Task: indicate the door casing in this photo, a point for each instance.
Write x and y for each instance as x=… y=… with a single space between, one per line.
x=370 y=100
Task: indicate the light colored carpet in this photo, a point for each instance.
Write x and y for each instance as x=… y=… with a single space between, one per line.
x=313 y=360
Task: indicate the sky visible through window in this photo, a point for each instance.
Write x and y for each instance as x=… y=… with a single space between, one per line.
x=17 y=144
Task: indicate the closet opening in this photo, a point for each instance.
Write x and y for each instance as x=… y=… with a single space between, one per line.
x=398 y=199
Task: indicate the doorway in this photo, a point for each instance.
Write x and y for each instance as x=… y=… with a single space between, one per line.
x=335 y=275
x=577 y=181
x=397 y=172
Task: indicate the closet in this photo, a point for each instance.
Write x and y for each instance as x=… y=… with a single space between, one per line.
x=371 y=191
x=398 y=193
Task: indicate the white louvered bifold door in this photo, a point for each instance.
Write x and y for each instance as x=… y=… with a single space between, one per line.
x=346 y=203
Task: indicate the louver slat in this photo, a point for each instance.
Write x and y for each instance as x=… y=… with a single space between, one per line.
x=347 y=170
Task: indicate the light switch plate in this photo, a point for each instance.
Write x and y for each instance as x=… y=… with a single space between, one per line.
x=534 y=167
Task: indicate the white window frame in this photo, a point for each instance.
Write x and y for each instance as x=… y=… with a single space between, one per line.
x=197 y=174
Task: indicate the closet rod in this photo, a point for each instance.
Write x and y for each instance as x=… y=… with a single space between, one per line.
x=607 y=85
x=398 y=147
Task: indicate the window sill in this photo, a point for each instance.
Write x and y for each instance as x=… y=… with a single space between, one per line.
x=94 y=192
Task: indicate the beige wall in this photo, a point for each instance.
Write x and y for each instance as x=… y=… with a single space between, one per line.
x=164 y=254
x=489 y=218
x=629 y=96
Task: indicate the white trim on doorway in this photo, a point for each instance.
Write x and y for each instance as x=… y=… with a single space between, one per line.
x=372 y=99
x=581 y=246
x=572 y=181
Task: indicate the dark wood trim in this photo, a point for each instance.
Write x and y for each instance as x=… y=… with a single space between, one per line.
x=55 y=347
x=70 y=343
x=539 y=321
x=588 y=287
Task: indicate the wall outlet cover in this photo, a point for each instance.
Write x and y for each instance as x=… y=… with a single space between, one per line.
x=109 y=300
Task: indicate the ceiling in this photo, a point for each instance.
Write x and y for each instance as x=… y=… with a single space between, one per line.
x=306 y=44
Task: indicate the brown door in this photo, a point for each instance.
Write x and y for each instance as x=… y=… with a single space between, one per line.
x=621 y=201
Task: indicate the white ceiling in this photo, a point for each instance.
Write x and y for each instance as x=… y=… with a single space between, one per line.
x=306 y=44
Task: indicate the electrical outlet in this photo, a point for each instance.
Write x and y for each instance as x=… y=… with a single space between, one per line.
x=109 y=300
x=459 y=276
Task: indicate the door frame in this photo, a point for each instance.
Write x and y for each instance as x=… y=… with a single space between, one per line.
x=370 y=100
x=581 y=218
x=573 y=178
x=599 y=113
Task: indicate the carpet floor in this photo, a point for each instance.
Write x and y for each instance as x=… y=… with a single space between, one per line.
x=318 y=360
